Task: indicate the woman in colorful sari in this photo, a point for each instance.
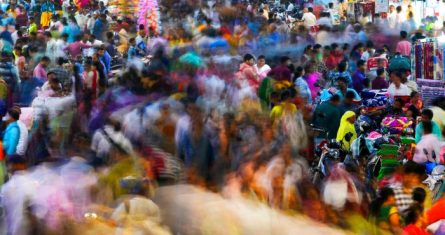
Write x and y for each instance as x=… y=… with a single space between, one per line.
x=347 y=128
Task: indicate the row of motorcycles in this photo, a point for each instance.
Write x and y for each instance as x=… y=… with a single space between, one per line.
x=368 y=162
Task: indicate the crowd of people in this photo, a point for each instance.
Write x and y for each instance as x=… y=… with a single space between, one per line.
x=111 y=126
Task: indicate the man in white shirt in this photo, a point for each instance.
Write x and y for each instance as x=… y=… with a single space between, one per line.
x=309 y=18
x=81 y=19
x=397 y=88
x=392 y=17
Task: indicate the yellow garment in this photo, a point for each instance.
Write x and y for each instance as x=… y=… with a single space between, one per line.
x=439 y=116
x=3 y=89
x=345 y=128
x=45 y=19
x=284 y=108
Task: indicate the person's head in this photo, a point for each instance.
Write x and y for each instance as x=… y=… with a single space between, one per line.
x=419 y=195
x=415 y=96
x=310 y=9
x=410 y=15
x=101 y=50
x=299 y=71
x=305 y=10
x=31 y=19
x=13 y=114
x=427 y=127
x=414 y=215
x=396 y=78
x=132 y=41
x=317 y=48
x=18 y=50
x=399 y=9
x=45 y=61
x=392 y=8
x=343 y=66
x=352 y=117
x=413 y=174
x=261 y=61
x=285 y=60
x=249 y=59
x=361 y=65
x=334 y=47
x=403 y=34
x=349 y=98
x=335 y=100
x=342 y=83
x=380 y=72
x=427 y=115
x=326 y=51
x=54 y=84
x=308 y=50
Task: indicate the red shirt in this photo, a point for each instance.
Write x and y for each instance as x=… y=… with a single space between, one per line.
x=414 y=230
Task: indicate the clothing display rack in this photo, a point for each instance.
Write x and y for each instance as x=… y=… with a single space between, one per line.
x=427 y=59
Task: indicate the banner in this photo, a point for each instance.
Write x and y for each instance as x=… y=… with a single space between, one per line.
x=381 y=6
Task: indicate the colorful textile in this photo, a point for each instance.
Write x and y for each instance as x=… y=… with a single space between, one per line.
x=396 y=125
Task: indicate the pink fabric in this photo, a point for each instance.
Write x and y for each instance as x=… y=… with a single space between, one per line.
x=75 y=48
x=404 y=48
x=248 y=72
x=311 y=80
x=27 y=116
x=429 y=143
x=40 y=72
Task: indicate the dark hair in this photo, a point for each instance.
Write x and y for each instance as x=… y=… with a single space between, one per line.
x=334 y=46
x=342 y=79
x=15 y=112
x=350 y=95
x=50 y=72
x=298 y=71
x=428 y=113
x=45 y=58
x=284 y=59
x=380 y=71
x=369 y=44
x=360 y=63
x=317 y=46
x=399 y=9
x=413 y=93
x=413 y=213
x=383 y=195
x=419 y=195
x=342 y=66
x=427 y=127
x=261 y=57
x=403 y=34
x=335 y=98
x=247 y=57
x=413 y=168
x=310 y=9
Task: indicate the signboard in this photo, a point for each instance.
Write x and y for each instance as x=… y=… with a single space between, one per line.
x=377 y=62
x=381 y=6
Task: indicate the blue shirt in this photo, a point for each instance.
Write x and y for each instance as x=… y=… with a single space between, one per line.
x=436 y=131
x=357 y=81
x=11 y=138
x=106 y=61
x=72 y=30
x=356 y=95
x=6 y=36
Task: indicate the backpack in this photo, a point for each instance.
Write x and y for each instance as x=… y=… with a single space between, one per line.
x=399 y=62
